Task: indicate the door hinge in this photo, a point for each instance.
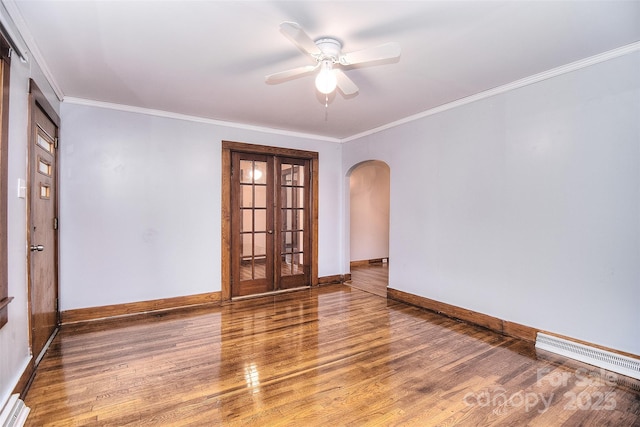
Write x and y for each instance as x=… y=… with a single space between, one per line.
x=55 y=223
x=55 y=143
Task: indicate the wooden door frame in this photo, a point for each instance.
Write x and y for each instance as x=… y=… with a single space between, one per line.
x=38 y=100
x=5 y=299
x=227 y=148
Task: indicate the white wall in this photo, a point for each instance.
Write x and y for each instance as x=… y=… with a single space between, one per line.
x=140 y=205
x=369 y=211
x=14 y=336
x=526 y=205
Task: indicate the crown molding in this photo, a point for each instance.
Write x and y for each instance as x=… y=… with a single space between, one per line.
x=186 y=117
x=555 y=72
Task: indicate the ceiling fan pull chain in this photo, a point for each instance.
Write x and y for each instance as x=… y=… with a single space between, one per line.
x=326 y=107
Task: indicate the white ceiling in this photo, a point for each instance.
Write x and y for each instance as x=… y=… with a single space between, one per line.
x=208 y=59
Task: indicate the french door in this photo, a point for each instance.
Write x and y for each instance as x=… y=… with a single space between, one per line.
x=271 y=223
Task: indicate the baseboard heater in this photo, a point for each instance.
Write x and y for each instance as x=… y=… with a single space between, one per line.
x=593 y=356
x=15 y=412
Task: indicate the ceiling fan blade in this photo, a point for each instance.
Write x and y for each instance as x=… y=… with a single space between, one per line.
x=296 y=34
x=378 y=53
x=344 y=83
x=290 y=74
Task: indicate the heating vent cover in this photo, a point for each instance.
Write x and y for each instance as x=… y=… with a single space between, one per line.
x=14 y=413
x=594 y=356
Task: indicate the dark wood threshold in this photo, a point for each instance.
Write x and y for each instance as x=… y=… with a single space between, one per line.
x=267 y=294
x=504 y=327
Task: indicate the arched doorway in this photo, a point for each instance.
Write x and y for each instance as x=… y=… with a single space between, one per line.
x=369 y=193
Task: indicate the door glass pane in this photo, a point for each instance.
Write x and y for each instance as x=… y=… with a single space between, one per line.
x=45 y=191
x=246 y=196
x=299 y=240
x=287 y=219
x=260 y=219
x=247 y=220
x=260 y=196
x=298 y=197
x=285 y=197
x=259 y=172
x=246 y=269
x=286 y=174
x=293 y=218
x=286 y=242
x=44 y=143
x=44 y=167
x=260 y=267
x=295 y=263
x=247 y=245
x=260 y=240
x=246 y=166
x=285 y=267
x=298 y=176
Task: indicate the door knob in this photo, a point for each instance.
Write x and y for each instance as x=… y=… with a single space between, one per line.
x=270 y=231
x=38 y=248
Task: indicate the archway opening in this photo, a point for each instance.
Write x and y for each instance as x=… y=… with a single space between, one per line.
x=369 y=206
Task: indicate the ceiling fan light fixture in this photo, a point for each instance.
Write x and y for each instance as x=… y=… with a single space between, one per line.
x=326 y=80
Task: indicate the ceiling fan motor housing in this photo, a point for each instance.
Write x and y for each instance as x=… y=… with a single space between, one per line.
x=330 y=48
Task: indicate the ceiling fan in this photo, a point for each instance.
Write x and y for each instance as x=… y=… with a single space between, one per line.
x=329 y=58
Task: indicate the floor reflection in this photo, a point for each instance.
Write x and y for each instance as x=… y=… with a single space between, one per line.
x=332 y=355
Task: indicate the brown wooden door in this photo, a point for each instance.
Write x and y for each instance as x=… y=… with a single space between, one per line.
x=293 y=182
x=252 y=224
x=270 y=223
x=43 y=283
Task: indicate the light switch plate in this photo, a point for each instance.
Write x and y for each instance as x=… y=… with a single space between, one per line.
x=22 y=188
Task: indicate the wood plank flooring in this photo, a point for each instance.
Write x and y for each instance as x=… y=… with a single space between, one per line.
x=330 y=356
x=372 y=278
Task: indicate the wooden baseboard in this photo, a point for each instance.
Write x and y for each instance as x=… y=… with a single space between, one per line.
x=365 y=262
x=503 y=327
x=116 y=310
x=29 y=373
x=25 y=380
x=331 y=280
x=495 y=324
x=127 y=309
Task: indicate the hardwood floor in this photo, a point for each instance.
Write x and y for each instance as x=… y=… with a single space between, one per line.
x=329 y=356
x=372 y=278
